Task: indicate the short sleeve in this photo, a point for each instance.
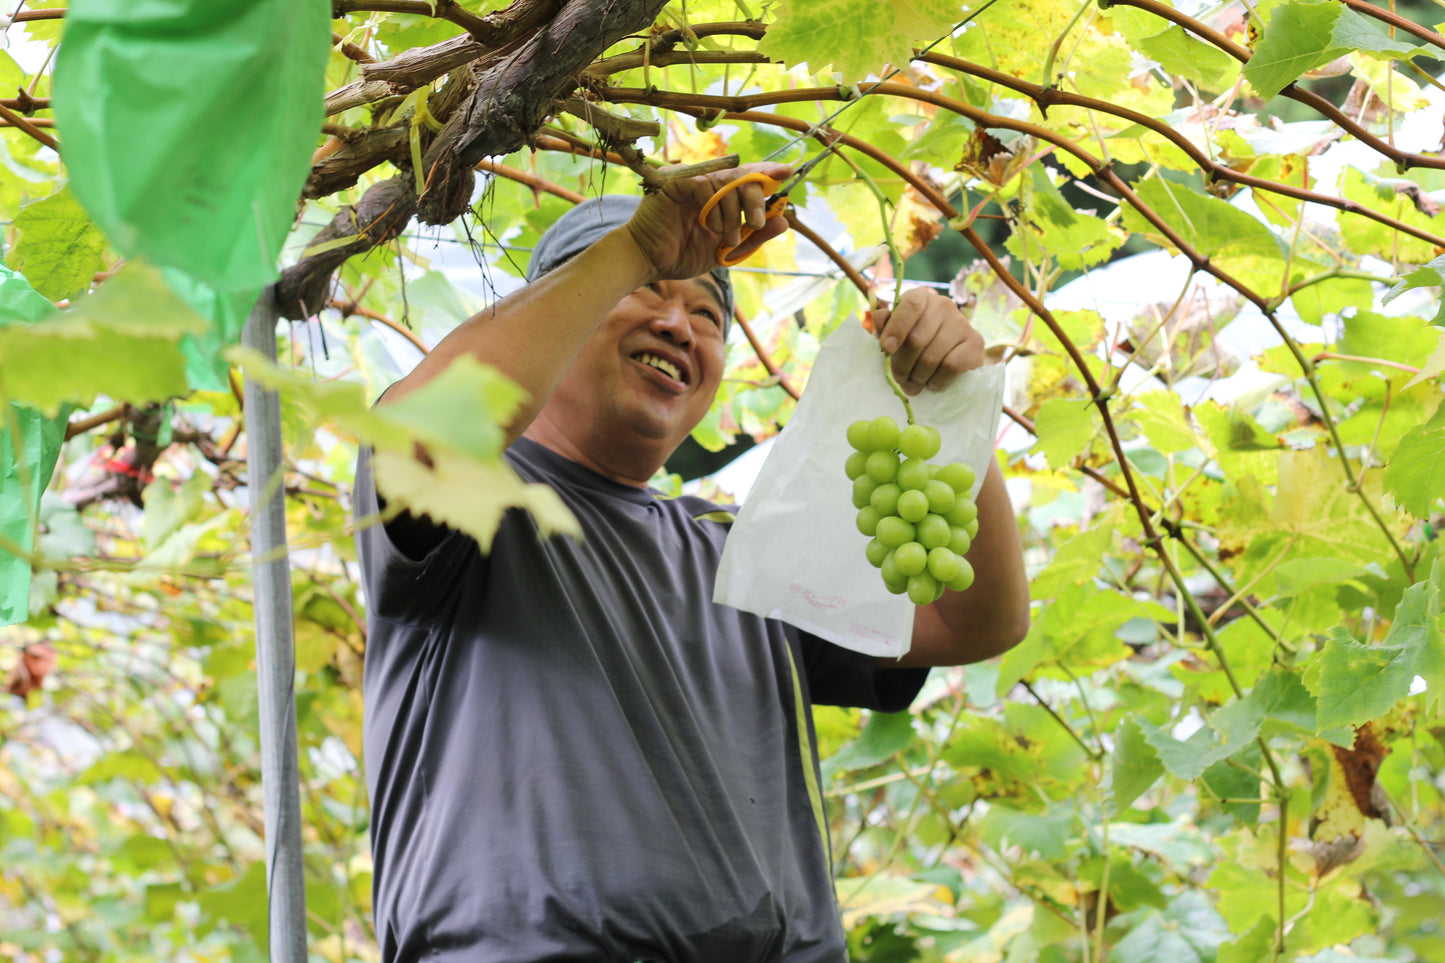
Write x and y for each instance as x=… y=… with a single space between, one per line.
x=842 y=677
x=398 y=586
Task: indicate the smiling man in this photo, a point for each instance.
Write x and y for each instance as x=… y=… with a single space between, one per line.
x=573 y=754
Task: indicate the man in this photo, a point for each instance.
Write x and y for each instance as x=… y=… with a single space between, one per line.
x=574 y=755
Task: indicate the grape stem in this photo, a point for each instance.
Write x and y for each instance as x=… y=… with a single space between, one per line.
x=893 y=383
x=895 y=258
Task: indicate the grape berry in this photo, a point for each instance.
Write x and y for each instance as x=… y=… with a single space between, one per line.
x=920 y=517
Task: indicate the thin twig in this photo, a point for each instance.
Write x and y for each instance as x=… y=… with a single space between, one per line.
x=25 y=124
x=352 y=308
x=1088 y=750
x=80 y=427
x=768 y=363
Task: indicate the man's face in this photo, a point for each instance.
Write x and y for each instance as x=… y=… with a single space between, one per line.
x=651 y=370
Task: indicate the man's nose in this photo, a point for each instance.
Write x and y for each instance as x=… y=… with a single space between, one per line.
x=672 y=320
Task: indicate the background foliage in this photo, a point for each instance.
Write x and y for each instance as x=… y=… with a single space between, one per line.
x=1205 y=238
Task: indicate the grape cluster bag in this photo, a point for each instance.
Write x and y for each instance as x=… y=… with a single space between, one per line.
x=794 y=552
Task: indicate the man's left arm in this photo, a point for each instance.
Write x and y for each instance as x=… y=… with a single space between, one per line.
x=931 y=343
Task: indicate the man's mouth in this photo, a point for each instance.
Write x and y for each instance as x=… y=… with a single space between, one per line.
x=661 y=364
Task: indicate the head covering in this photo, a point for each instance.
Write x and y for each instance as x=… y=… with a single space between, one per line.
x=585 y=224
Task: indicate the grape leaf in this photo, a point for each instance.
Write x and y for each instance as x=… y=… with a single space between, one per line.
x=59 y=249
x=1355 y=682
x=1135 y=24
x=1433 y=366
x=1368 y=334
x=426 y=459
x=1179 y=53
x=1019 y=759
x=1378 y=191
x=467 y=494
x=1077 y=627
x=1416 y=472
x=1418 y=627
x=884 y=734
x=1207 y=223
x=1072 y=239
x=1136 y=765
x=1230 y=730
x=1254 y=945
x=1300 y=575
x=1188 y=931
x=1161 y=415
x=120 y=342
x=1233 y=783
x=1065 y=428
x=168 y=508
x=1314 y=508
x=1304 y=35
x=1277 y=702
x=1046 y=833
x=858 y=37
x=1076 y=562
x=1246 y=894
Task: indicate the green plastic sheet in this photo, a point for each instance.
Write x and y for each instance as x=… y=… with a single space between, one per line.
x=29 y=446
x=188 y=128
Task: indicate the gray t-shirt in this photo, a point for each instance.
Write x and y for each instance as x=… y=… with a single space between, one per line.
x=573 y=754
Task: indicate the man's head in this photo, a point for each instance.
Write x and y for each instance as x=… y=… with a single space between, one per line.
x=583 y=225
x=649 y=372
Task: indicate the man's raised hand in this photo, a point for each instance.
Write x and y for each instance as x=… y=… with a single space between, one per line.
x=667 y=230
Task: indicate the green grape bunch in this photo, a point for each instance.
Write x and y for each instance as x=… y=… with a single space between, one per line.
x=921 y=517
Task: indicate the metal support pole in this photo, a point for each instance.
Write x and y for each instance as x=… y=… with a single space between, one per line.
x=275 y=650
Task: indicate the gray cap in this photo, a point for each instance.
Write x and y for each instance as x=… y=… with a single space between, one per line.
x=585 y=224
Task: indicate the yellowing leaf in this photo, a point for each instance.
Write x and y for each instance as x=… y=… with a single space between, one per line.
x=469 y=495
x=1321 y=516
x=885 y=895
x=1161 y=415
x=688 y=145
x=426 y=459
x=1066 y=427
x=1391 y=87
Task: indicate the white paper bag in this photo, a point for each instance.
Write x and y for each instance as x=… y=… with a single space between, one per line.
x=795 y=552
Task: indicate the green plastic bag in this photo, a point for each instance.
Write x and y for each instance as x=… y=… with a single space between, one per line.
x=187 y=129
x=29 y=447
x=226 y=311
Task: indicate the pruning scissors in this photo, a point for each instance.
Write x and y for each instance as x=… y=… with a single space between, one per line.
x=777 y=202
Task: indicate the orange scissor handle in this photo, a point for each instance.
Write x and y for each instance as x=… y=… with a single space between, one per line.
x=776 y=205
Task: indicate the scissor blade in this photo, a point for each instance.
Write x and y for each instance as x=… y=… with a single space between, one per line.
x=802 y=172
